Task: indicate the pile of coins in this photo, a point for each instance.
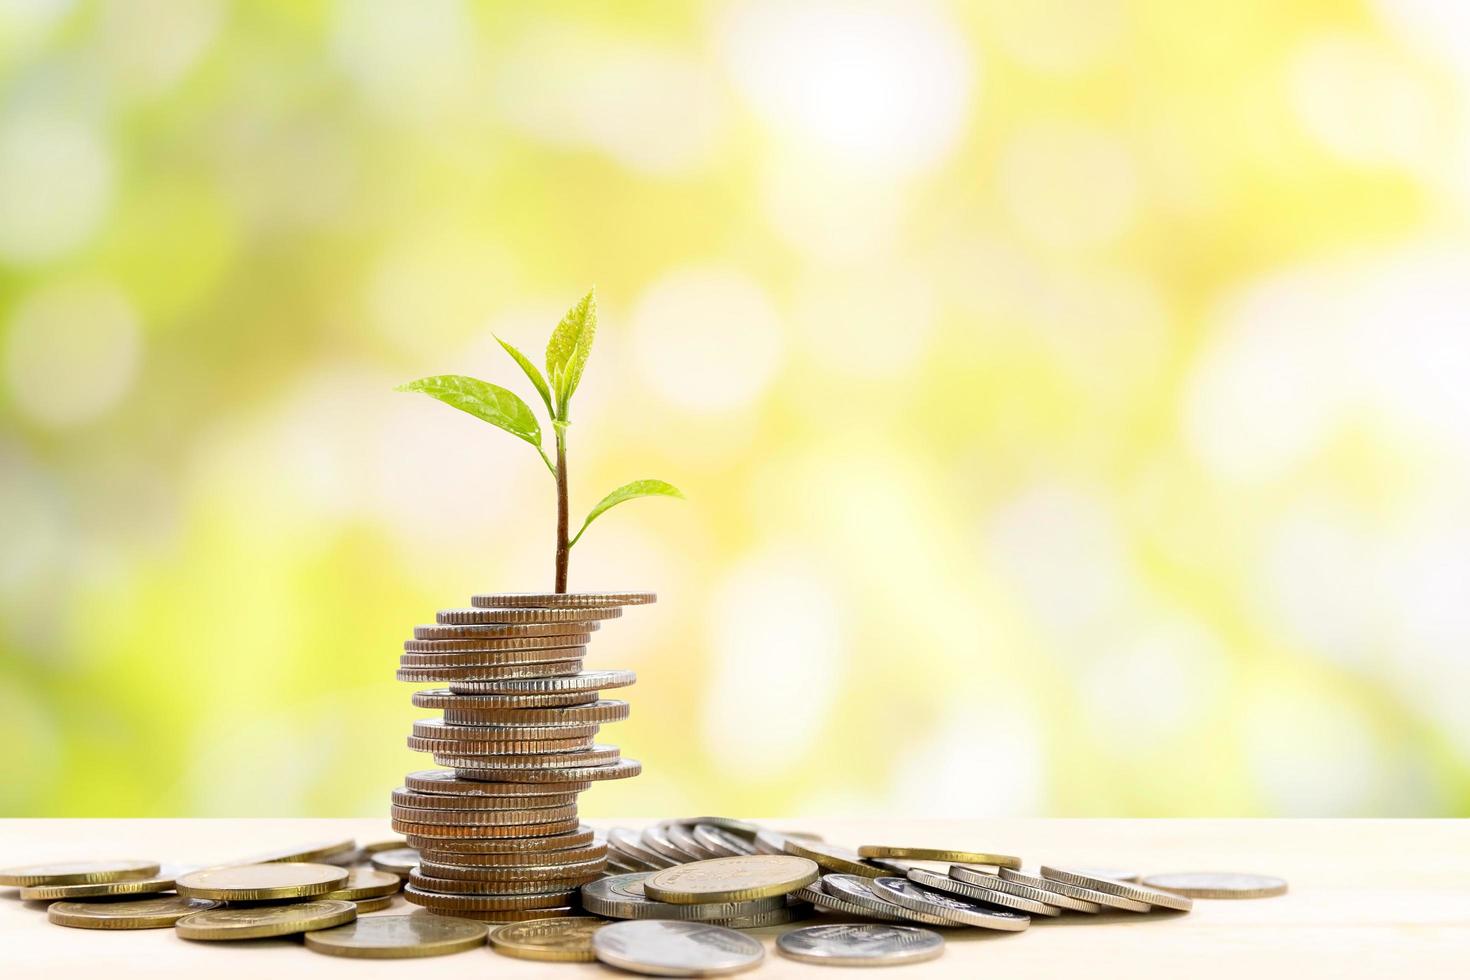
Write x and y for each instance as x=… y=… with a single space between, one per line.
x=496 y=831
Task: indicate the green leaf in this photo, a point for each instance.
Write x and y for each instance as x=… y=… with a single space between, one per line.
x=628 y=491
x=532 y=372
x=492 y=403
x=567 y=351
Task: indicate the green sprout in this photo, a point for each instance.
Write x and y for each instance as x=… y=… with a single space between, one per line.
x=566 y=357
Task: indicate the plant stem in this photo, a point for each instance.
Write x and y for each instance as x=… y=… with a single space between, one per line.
x=563 y=549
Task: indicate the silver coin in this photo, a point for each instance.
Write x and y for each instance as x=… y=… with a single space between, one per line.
x=683 y=838
x=591 y=680
x=1218 y=884
x=720 y=841
x=899 y=869
x=621 y=897
x=656 y=839
x=774 y=841
x=981 y=893
x=1019 y=885
x=957 y=909
x=1111 y=886
x=399 y=861
x=663 y=948
x=854 y=890
x=1112 y=874
x=629 y=843
x=1102 y=899
x=861 y=944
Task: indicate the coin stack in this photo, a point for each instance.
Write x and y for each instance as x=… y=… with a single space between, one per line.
x=496 y=831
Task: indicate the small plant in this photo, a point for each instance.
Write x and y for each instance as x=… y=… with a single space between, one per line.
x=566 y=357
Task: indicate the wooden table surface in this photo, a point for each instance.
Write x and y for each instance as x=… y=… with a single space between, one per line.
x=1369 y=898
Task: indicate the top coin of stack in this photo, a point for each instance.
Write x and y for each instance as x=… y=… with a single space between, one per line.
x=497 y=829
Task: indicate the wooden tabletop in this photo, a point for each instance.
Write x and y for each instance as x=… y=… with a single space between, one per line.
x=1369 y=898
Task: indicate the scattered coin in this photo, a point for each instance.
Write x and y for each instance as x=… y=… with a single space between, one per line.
x=1210 y=884
x=260 y=882
x=1101 y=899
x=956 y=908
x=682 y=837
x=720 y=841
x=399 y=862
x=366 y=883
x=939 y=854
x=656 y=838
x=565 y=939
x=1110 y=886
x=1018 y=885
x=981 y=892
x=561 y=600
x=830 y=857
x=142 y=913
x=857 y=891
x=731 y=879
x=1115 y=874
x=658 y=947
x=385 y=937
x=861 y=944
x=629 y=844
x=316 y=851
x=163 y=881
x=75 y=873
x=262 y=921
x=623 y=897
x=365 y=905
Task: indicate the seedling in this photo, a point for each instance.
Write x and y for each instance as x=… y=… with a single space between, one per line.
x=566 y=357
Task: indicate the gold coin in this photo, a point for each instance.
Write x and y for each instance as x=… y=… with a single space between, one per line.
x=469 y=886
x=940 y=854
x=562 y=873
x=532 y=830
x=446 y=700
x=75 y=873
x=488 y=903
x=431 y=801
x=440 y=746
x=598 y=755
x=527 y=614
x=564 y=940
x=484 y=818
x=731 y=879
x=592 y=712
x=366 y=883
x=365 y=905
x=444 y=781
x=142 y=913
x=502 y=672
x=316 y=851
x=591 y=680
x=397 y=862
x=386 y=937
x=570 y=855
x=383 y=845
x=487 y=644
x=265 y=920
x=622 y=769
x=527 y=731
x=492 y=658
x=830 y=857
x=580 y=837
x=448 y=631
x=261 y=882
x=153 y=884
x=560 y=600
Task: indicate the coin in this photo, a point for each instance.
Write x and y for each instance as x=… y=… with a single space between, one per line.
x=861 y=944
x=491 y=644
x=142 y=913
x=440 y=831
x=399 y=862
x=575 y=873
x=425 y=882
x=457 y=749
x=774 y=842
x=682 y=837
x=258 y=882
x=513 y=730
x=622 y=769
x=731 y=879
x=366 y=883
x=435 y=801
x=75 y=873
x=656 y=839
x=445 y=631
x=740 y=828
x=560 y=600
x=981 y=892
x=622 y=897
x=484 y=818
x=659 y=947
x=1017 y=885
x=455 y=901
x=629 y=844
x=365 y=905
x=264 y=920
x=1210 y=884
x=152 y=885
x=720 y=841
x=597 y=755
x=382 y=845
x=566 y=940
x=1114 y=874
x=489 y=706
x=460 y=675
x=1074 y=891
x=857 y=891
x=591 y=680
x=516 y=915
x=1151 y=896
x=956 y=908
x=589 y=711
x=830 y=857
x=492 y=658
x=385 y=937
x=595 y=851
x=526 y=614
x=315 y=851
x=758 y=920
x=938 y=854
x=445 y=781
x=580 y=837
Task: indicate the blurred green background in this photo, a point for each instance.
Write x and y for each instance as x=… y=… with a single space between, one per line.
x=1072 y=397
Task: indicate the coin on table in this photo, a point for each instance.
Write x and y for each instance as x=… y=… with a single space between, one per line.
x=392 y=937
x=664 y=948
x=591 y=680
x=315 y=851
x=656 y=838
x=1210 y=884
x=721 y=841
x=1101 y=899
x=858 y=892
x=142 y=913
x=861 y=944
x=377 y=846
x=759 y=920
x=731 y=879
x=957 y=908
x=743 y=829
x=830 y=857
x=1111 y=886
x=75 y=873
x=629 y=844
x=263 y=921
x=365 y=905
x=682 y=837
x=398 y=862
x=621 y=769
x=981 y=892
x=1113 y=874
x=1014 y=884
x=560 y=600
x=163 y=881
x=939 y=854
x=567 y=939
x=774 y=841
x=366 y=883
x=622 y=897
x=262 y=882
x=527 y=614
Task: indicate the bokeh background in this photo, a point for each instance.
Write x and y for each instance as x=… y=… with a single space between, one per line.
x=1072 y=397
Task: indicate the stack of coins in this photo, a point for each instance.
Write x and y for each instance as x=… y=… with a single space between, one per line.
x=496 y=830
